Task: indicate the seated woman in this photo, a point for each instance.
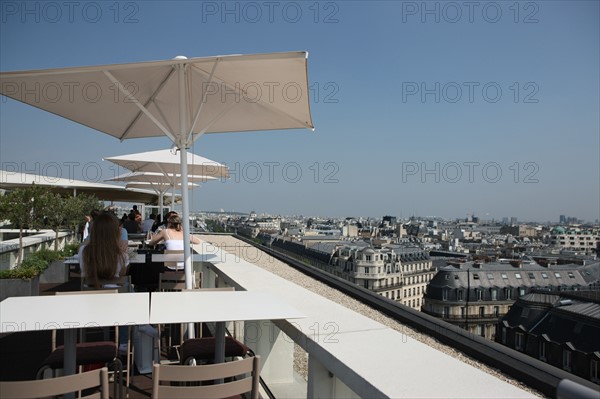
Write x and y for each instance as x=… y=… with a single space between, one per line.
x=172 y=236
x=102 y=257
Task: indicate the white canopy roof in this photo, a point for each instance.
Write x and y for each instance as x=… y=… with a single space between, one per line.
x=107 y=192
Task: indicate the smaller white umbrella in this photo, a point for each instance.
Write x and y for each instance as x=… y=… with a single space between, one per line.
x=159 y=182
x=167 y=162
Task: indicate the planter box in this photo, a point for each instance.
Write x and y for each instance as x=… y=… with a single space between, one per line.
x=56 y=273
x=19 y=287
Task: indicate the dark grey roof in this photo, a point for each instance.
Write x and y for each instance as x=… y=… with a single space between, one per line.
x=488 y=275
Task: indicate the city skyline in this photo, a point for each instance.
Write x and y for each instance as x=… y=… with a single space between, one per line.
x=430 y=108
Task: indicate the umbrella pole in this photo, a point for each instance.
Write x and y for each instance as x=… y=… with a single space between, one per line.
x=183 y=132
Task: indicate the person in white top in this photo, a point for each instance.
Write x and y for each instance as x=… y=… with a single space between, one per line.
x=172 y=236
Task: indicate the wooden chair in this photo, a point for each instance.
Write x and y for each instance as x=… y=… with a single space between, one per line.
x=163 y=375
x=57 y=386
x=202 y=349
x=174 y=265
x=121 y=284
x=89 y=353
x=173 y=281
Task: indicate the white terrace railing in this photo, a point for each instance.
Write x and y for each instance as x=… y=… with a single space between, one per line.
x=349 y=355
x=33 y=242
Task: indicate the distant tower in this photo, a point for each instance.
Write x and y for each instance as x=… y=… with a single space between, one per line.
x=562 y=219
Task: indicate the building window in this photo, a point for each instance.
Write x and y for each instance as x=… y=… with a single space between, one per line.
x=479 y=294
x=571 y=275
x=567 y=357
x=594 y=371
x=368 y=258
x=557 y=274
x=480 y=330
x=505 y=276
x=490 y=276
x=518 y=275
x=545 y=275
x=481 y=311
x=462 y=311
x=504 y=335
x=475 y=276
x=497 y=311
x=494 y=294
x=531 y=275
x=444 y=294
x=521 y=291
x=519 y=341
x=459 y=295
x=542 y=350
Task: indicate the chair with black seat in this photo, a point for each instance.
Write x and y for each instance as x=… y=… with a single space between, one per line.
x=202 y=349
x=173 y=333
x=241 y=376
x=90 y=353
x=95 y=379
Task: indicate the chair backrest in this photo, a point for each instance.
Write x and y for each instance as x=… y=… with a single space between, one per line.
x=122 y=284
x=238 y=368
x=174 y=265
x=171 y=281
x=57 y=386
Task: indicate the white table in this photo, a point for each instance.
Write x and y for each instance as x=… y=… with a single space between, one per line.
x=70 y=312
x=179 y=257
x=74 y=260
x=220 y=307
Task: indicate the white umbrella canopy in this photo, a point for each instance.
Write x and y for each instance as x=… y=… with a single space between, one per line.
x=159 y=186
x=180 y=98
x=255 y=92
x=158 y=178
x=167 y=163
x=162 y=167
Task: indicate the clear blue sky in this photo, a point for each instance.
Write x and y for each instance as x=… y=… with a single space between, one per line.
x=375 y=69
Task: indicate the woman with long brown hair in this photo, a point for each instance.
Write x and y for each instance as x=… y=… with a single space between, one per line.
x=102 y=257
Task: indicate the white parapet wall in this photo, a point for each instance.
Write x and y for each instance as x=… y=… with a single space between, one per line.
x=33 y=242
x=350 y=355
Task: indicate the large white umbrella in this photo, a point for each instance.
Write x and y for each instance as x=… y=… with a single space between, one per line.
x=180 y=98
